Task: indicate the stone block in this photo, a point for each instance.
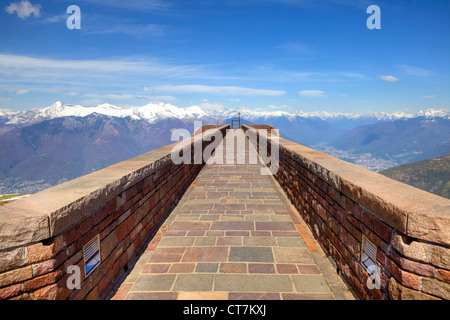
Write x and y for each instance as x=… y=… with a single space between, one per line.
x=436 y=288
x=440 y=257
x=410 y=248
x=399 y=292
x=13 y=258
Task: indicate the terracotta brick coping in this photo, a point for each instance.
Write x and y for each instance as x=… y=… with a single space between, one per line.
x=49 y=212
x=413 y=212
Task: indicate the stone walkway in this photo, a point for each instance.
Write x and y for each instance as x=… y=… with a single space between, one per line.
x=234 y=235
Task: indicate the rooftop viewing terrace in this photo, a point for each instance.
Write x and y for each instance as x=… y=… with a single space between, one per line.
x=227 y=214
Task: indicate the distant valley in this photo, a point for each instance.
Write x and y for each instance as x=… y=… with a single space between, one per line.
x=44 y=147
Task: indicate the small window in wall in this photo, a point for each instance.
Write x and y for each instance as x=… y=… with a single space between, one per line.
x=91 y=253
x=368 y=253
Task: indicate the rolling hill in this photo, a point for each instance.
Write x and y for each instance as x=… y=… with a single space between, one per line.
x=432 y=175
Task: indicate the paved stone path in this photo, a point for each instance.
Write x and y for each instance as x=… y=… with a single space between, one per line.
x=234 y=235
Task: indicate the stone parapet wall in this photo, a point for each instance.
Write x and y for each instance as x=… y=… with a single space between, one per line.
x=343 y=203
x=43 y=235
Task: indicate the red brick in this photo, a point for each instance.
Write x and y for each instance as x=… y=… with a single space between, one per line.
x=405 y=278
x=444 y=275
x=44 y=250
x=43 y=281
x=382 y=230
x=413 y=266
x=11 y=291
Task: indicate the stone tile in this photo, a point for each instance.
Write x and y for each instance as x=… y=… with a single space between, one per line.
x=196 y=233
x=187 y=217
x=171 y=233
x=307 y=296
x=207 y=267
x=308 y=269
x=232 y=218
x=156 y=268
x=182 y=268
x=214 y=233
x=280 y=218
x=152 y=296
x=310 y=284
x=229 y=241
x=257 y=217
x=290 y=242
x=234 y=206
x=253 y=296
x=253 y=283
x=204 y=206
x=176 y=241
x=160 y=282
x=187 y=225
x=260 y=241
x=237 y=233
x=210 y=217
x=202 y=296
x=261 y=268
x=292 y=255
x=250 y=254
x=194 y=282
x=233 y=268
x=287 y=268
x=275 y=226
x=167 y=255
x=204 y=241
x=232 y=225
x=206 y=254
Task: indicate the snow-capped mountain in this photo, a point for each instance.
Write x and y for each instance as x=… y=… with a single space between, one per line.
x=153 y=112
x=44 y=147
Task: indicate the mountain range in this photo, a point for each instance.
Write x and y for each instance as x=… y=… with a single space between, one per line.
x=46 y=146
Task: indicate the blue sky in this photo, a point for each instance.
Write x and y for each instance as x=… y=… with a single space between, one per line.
x=289 y=55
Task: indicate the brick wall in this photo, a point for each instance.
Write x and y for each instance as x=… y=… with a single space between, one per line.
x=44 y=234
x=342 y=203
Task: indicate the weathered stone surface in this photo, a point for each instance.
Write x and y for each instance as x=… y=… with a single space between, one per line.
x=15 y=276
x=411 y=249
x=440 y=257
x=13 y=258
x=436 y=288
x=431 y=224
x=20 y=226
x=399 y=292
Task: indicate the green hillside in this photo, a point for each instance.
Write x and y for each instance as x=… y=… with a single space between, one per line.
x=432 y=175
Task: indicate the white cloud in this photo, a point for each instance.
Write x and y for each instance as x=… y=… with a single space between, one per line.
x=389 y=78
x=124 y=96
x=57 y=18
x=24 y=9
x=414 y=71
x=141 y=5
x=234 y=100
x=218 y=90
x=131 y=30
x=22 y=91
x=429 y=97
x=312 y=93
